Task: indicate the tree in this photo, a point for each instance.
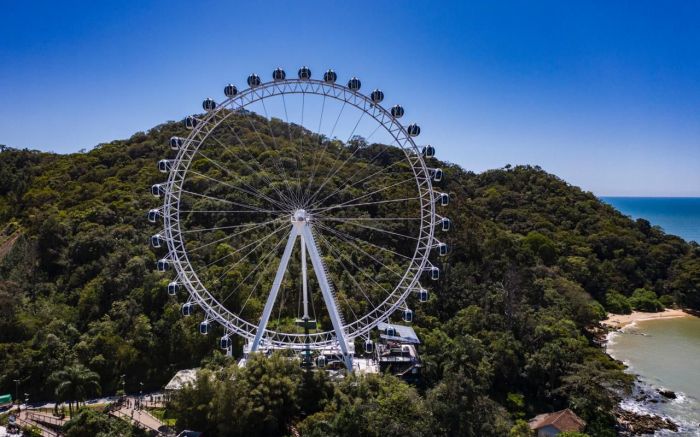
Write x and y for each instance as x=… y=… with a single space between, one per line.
x=75 y=383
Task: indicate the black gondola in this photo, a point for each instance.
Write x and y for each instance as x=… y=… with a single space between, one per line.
x=413 y=130
x=354 y=84
x=330 y=76
x=397 y=111
x=176 y=143
x=278 y=74
x=163 y=265
x=204 y=328
x=377 y=96
x=428 y=151
x=230 y=90
x=208 y=105
x=187 y=309
x=153 y=215
x=253 y=80
x=173 y=287
x=190 y=122
x=304 y=73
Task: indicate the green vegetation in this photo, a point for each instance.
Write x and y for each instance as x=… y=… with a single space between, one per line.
x=90 y=423
x=75 y=384
x=534 y=262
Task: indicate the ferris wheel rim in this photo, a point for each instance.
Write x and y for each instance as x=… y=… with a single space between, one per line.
x=200 y=295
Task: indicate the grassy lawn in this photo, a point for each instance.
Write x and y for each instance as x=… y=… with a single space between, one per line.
x=162 y=415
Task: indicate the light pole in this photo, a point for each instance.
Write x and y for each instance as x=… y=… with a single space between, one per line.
x=140 y=394
x=123 y=385
x=17 y=381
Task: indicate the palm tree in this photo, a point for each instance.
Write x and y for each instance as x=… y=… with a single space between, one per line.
x=74 y=384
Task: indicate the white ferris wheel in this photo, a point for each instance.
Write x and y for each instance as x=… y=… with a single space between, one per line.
x=307 y=161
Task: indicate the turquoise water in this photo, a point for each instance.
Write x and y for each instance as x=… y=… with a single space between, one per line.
x=665 y=354
x=676 y=215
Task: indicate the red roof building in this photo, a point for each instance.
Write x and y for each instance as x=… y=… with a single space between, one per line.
x=551 y=424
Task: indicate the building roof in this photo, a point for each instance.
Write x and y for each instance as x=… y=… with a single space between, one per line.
x=404 y=334
x=564 y=420
x=182 y=378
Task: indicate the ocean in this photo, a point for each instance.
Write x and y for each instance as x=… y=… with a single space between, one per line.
x=676 y=215
x=665 y=354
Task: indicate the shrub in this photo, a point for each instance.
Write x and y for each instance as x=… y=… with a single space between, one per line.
x=645 y=300
x=617 y=303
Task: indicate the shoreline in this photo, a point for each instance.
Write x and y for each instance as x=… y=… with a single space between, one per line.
x=619 y=321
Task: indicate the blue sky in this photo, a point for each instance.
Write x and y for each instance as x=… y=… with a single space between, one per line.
x=604 y=94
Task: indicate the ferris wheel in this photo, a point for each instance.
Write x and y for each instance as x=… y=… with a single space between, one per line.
x=307 y=161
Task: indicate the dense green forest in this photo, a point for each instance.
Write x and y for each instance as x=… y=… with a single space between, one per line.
x=534 y=263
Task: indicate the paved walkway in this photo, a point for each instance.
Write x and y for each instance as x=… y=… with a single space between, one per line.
x=138 y=417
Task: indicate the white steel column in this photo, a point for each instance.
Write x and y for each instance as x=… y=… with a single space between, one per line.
x=275 y=288
x=303 y=278
x=317 y=263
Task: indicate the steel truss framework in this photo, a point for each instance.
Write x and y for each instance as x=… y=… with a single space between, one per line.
x=233 y=323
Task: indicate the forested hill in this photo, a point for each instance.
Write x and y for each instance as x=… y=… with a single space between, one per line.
x=534 y=261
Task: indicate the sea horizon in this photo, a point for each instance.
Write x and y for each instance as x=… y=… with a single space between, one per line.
x=676 y=215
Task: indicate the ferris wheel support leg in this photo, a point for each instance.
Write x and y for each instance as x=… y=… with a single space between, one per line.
x=320 y=271
x=275 y=289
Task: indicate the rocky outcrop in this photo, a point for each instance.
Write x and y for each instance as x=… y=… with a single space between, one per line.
x=632 y=424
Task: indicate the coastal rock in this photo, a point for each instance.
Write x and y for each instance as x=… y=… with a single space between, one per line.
x=669 y=394
x=632 y=423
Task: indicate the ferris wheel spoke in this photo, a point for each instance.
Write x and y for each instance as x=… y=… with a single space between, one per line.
x=373 y=219
x=372 y=228
x=253 y=190
x=259 y=243
x=378 y=202
x=218 y=228
x=228 y=237
x=367 y=254
x=282 y=196
x=348 y=185
x=242 y=205
x=388 y=187
x=253 y=194
x=325 y=146
x=345 y=235
x=280 y=167
x=313 y=161
x=256 y=268
x=339 y=258
x=269 y=126
x=331 y=175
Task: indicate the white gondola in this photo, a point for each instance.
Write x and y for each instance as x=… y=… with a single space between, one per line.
x=163 y=265
x=422 y=295
x=444 y=199
x=164 y=165
x=377 y=96
x=330 y=76
x=407 y=315
x=187 y=309
x=391 y=331
x=157 y=241
x=208 y=105
x=158 y=190
x=428 y=151
x=354 y=84
x=153 y=215
x=304 y=73
x=253 y=80
x=190 y=122
x=225 y=342
x=369 y=346
x=445 y=224
x=434 y=273
x=321 y=362
x=397 y=111
x=230 y=90
x=204 y=327
x=436 y=174
x=278 y=74
x=173 y=287
x=176 y=143
x=443 y=249
x=413 y=130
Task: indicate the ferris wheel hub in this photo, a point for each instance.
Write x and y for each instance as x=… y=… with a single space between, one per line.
x=300 y=216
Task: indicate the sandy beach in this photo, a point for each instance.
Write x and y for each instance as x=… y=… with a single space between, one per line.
x=618 y=321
